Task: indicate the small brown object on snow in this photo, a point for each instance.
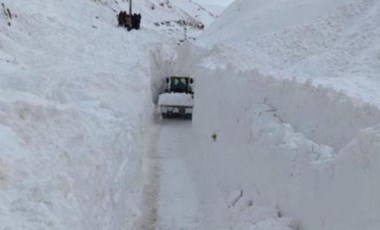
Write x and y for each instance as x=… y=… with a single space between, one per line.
x=214 y=136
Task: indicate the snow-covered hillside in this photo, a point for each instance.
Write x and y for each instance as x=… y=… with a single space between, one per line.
x=333 y=42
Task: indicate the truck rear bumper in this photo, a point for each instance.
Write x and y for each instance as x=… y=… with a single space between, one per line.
x=168 y=111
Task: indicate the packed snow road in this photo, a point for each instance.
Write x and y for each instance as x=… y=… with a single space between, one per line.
x=170 y=191
x=188 y=187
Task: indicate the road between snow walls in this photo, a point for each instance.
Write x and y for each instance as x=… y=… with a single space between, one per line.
x=80 y=149
x=261 y=153
x=179 y=185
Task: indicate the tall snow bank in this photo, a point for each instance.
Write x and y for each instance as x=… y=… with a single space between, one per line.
x=69 y=166
x=310 y=152
x=74 y=104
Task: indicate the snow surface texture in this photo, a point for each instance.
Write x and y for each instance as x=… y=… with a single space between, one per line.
x=275 y=143
x=333 y=42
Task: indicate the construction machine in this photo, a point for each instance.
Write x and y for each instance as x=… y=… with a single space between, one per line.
x=177 y=98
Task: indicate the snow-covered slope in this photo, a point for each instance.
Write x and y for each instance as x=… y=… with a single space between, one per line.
x=271 y=73
x=333 y=42
x=215 y=9
x=176 y=18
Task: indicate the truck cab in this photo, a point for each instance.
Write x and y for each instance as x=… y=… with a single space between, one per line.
x=177 y=84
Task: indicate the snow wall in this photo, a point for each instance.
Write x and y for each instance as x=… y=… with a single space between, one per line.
x=71 y=166
x=319 y=163
x=76 y=160
x=74 y=114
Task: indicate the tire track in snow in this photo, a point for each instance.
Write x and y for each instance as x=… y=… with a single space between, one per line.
x=152 y=170
x=178 y=195
x=169 y=194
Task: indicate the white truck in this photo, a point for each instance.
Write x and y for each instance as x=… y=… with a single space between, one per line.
x=177 y=100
